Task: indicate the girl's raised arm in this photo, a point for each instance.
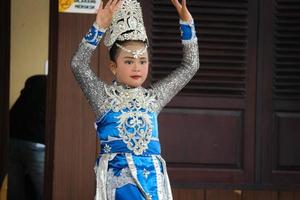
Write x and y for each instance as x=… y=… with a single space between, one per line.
x=91 y=85
x=168 y=87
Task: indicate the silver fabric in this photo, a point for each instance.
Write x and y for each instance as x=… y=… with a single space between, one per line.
x=115 y=182
x=161 y=189
x=168 y=87
x=91 y=85
x=167 y=186
x=101 y=176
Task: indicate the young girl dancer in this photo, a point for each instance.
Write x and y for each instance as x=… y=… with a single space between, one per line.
x=129 y=166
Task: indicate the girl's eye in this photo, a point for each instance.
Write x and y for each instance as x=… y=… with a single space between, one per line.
x=128 y=62
x=143 y=62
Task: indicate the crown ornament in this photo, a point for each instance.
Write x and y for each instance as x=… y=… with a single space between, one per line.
x=127 y=24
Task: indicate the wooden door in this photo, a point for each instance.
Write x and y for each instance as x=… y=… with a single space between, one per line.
x=208 y=130
x=279 y=93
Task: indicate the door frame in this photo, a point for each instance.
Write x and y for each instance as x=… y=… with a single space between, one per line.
x=51 y=100
x=4 y=85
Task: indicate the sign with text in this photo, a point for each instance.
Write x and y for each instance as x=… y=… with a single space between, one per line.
x=78 y=6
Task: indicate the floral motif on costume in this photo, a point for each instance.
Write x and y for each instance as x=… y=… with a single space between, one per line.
x=146 y=173
x=107 y=148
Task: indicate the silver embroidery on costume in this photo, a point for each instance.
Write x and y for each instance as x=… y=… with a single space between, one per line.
x=120 y=97
x=135 y=128
x=135 y=125
x=115 y=182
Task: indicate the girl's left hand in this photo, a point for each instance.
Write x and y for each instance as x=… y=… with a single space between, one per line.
x=182 y=10
x=105 y=13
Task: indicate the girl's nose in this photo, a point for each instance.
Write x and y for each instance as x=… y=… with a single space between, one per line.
x=136 y=67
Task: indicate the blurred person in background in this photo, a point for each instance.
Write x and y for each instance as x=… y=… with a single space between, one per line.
x=27 y=141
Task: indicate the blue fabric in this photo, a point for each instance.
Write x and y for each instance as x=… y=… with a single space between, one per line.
x=94 y=36
x=111 y=142
x=129 y=192
x=117 y=164
x=149 y=183
x=186 y=32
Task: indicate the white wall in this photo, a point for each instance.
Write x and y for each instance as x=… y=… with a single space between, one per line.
x=29 y=42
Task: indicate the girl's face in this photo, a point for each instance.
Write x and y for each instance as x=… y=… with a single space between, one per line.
x=129 y=70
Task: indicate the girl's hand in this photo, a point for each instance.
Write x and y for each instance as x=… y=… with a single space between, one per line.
x=182 y=10
x=105 y=13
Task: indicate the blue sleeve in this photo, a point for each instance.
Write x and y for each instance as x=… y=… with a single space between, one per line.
x=94 y=35
x=187 y=30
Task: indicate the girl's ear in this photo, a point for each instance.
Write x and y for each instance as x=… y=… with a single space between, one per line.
x=113 y=67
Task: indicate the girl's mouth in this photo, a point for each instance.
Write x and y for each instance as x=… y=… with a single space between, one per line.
x=135 y=77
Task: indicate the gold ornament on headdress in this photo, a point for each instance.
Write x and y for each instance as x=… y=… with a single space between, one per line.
x=127 y=24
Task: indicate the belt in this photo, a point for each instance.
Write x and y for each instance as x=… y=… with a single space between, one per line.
x=118 y=146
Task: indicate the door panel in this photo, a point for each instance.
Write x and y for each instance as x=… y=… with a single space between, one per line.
x=216 y=145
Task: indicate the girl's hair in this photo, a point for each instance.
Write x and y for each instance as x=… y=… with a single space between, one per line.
x=115 y=50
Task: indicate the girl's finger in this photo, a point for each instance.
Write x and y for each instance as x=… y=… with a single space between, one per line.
x=177 y=5
x=113 y=4
x=100 y=6
x=183 y=3
x=108 y=4
x=119 y=4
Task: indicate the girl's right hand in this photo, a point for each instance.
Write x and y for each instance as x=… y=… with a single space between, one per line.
x=105 y=13
x=182 y=10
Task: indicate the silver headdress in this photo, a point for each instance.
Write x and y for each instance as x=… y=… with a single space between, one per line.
x=127 y=24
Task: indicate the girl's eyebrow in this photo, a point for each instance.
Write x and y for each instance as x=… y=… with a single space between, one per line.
x=130 y=57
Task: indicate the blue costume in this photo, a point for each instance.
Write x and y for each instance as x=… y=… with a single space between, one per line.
x=129 y=166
